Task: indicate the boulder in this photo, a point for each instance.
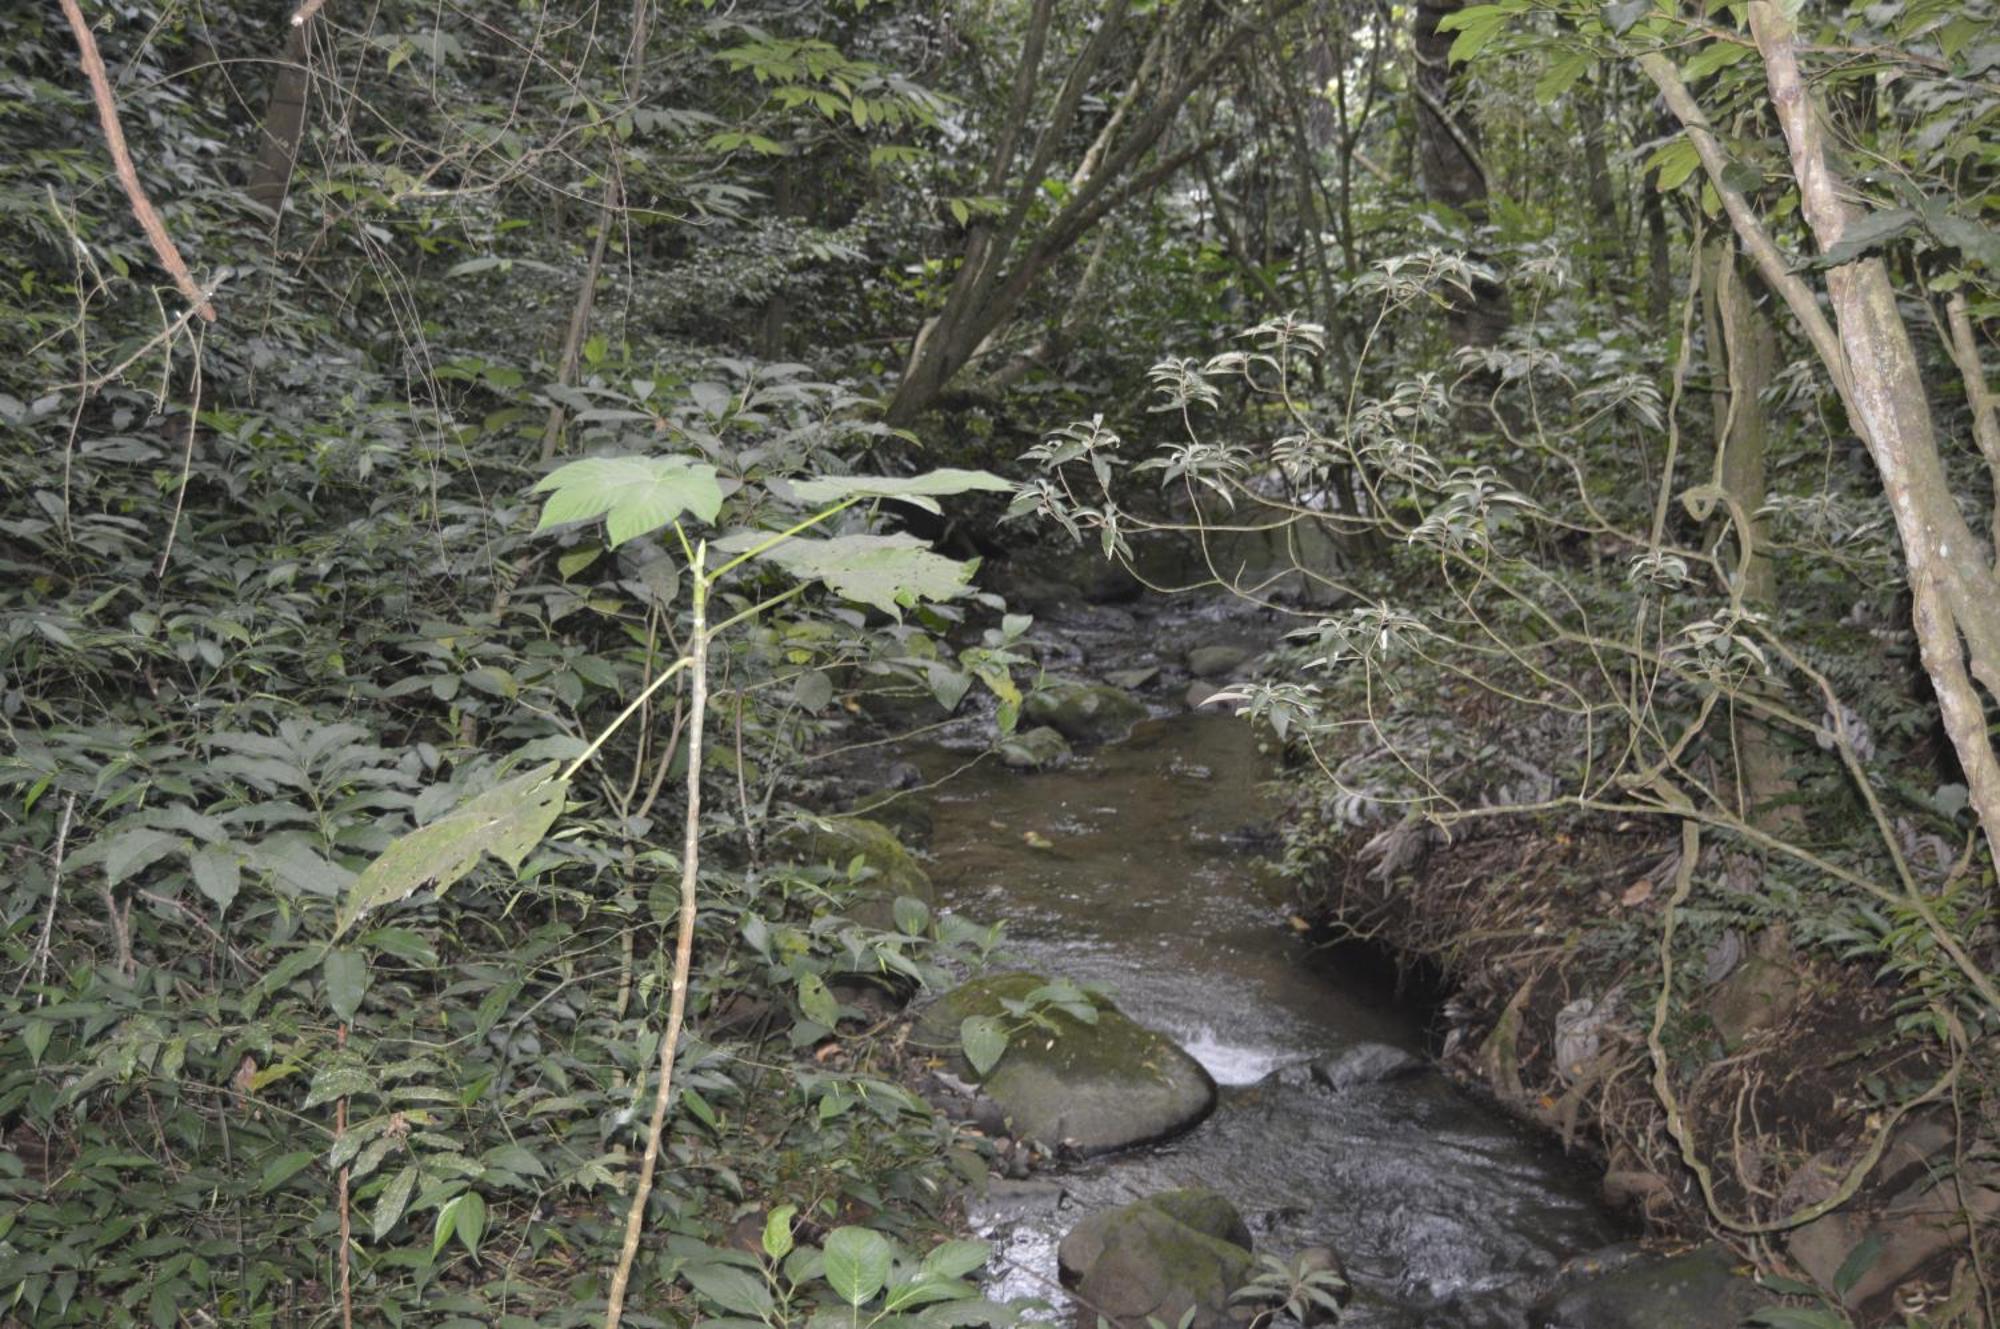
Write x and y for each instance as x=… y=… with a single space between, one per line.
x=1696 y=1290
x=1216 y=661
x=1094 y=1087
x=1759 y=995
x=1366 y=1063
x=1084 y=712
x=1915 y=1207
x=1034 y=749
x=907 y=816
x=1148 y=1265
x=1207 y=1212
x=892 y=870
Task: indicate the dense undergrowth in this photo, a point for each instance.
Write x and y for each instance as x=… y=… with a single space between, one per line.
x=1605 y=693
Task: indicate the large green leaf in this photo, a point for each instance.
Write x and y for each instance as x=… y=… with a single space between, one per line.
x=918 y=490
x=984 y=1040
x=737 y=1291
x=635 y=495
x=889 y=572
x=857 y=1263
x=506 y=821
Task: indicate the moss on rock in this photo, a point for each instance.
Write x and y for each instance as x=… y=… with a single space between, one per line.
x=1084 y=712
x=893 y=870
x=1097 y=1087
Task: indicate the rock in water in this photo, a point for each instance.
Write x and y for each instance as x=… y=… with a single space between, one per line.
x=1216 y=661
x=1697 y=1290
x=893 y=870
x=1084 y=712
x=1366 y=1063
x=1147 y=1262
x=1095 y=1087
x=1034 y=750
x=1207 y=1212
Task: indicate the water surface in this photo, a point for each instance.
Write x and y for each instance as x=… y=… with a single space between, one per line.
x=1136 y=867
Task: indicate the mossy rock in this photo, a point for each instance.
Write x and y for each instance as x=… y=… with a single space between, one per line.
x=1217 y=661
x=1034 y=749
x=1207 y=1212
x=1153 y=1268
x=1698 y=1290
x=894 y=871
x=1097 y=1087
x=907 y=816
x=1084 y=712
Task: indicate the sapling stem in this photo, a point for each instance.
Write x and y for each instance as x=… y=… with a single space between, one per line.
x=670 y=1037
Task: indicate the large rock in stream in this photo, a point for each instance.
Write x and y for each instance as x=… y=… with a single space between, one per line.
x=890 y=869
x=1700 y=1289
x=1160 y=1259
x=1093 y=1087
x=1085 y=712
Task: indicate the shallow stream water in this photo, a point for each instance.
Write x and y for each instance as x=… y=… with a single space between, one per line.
x=1135 y=867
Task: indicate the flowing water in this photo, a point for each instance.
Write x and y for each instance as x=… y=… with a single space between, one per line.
x=1135 y=867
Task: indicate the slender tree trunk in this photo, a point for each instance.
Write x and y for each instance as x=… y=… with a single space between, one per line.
x=1953 y=581
x=1447 y=143
x=284 y=122
x=1743 y=353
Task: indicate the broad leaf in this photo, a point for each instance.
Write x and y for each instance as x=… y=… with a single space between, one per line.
x=857 y=1263
x=735 y=1290
x=635 y=495
x=1867 y=235
x=888 y=572
x=920 y=491
x=984 y=1041
x=507 y=821
x=218 y=873
x=1621 y=15
x=778 y=1231
x=346 y=974
x=817 y=1002
x=956 y=1259
x=394 y=1199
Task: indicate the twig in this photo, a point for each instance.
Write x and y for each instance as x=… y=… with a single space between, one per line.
x=187 y=465
x=41 y=964
x=121 y=161
x=346 y=1214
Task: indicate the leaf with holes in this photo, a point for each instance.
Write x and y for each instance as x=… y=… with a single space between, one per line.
x=635 y=495
x=507 y=821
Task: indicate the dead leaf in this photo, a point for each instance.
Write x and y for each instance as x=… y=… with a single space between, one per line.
x=1637 y=893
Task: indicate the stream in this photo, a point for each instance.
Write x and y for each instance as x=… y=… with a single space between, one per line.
x=1135 y=867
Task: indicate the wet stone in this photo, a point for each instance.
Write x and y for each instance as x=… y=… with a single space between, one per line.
x=1697 y=1290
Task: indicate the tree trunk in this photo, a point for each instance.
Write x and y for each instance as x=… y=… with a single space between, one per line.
x=284 y=123
x=1953 y=580
x=1447 y=144
x=1743 y=355
x=1002 y=258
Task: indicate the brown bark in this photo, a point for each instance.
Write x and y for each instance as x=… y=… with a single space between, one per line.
x=1743 y=353
x=284 y=124
x=149 y=221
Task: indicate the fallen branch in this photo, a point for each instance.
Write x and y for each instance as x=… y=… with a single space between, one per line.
x=121 y=160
